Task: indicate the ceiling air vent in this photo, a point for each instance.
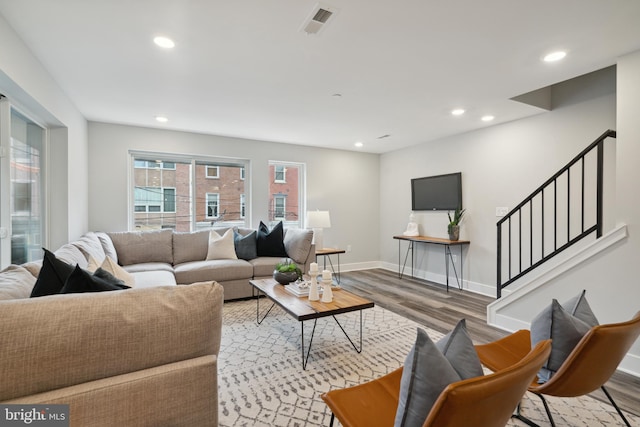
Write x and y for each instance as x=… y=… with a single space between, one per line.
x=317 y=19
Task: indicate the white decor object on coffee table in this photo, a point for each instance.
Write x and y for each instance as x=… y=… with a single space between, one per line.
x=327 y=293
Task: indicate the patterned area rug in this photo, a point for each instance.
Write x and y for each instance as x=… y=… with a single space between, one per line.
x=262 y=383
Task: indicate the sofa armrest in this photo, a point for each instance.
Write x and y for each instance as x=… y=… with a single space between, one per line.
x=58 y=341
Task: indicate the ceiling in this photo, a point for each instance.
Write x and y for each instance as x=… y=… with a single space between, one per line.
x=245 y=68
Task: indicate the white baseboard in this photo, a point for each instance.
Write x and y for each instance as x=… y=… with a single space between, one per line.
x=630 y=365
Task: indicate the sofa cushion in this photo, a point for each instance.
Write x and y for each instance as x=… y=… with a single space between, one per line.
x=264 y=265
x=220 y=270
x=148 y=266
x=16 y=282
x=90 y=245
x=297 y=243
x=118 y=333
x=150 y=279
x=33 y=267
x=52 y=277
x=135 y=247
x=71 y=255
x=221 y=246
x=246 y=245
x=271 y=242
x=107 y=245
x=190 y=246
x=82 y=281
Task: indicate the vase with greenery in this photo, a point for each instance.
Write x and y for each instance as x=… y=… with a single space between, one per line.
x=286 y=272
x=454 y=223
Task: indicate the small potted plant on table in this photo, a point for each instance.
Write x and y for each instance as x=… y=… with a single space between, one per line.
x=454 y=223
x=286 y=272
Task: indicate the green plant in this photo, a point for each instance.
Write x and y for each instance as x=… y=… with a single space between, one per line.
x=457 y=217
x=287 y=265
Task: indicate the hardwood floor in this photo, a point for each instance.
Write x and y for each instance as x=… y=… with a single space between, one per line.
x=429 y=304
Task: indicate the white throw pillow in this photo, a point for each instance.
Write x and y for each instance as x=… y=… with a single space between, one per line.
x=221 y=247
x=93 y=264
x=112 y=267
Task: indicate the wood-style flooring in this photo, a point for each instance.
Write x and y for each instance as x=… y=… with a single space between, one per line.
x=429 y=304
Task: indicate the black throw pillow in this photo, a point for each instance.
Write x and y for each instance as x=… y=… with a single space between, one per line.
x=82 y=281
x=52 y=276
x=271 y=243
x=110 y=278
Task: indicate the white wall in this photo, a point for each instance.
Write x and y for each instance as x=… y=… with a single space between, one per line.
x=28 y=85
x=343 y=182
x=610 y=278
x=500 y=166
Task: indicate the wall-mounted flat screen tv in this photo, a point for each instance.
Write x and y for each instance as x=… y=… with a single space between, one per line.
x=437 y=193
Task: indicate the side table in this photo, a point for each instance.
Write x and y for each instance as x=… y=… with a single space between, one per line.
x=326 y=253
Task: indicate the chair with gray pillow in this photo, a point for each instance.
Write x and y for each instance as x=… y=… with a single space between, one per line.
x=486 y=401
x=588 y=366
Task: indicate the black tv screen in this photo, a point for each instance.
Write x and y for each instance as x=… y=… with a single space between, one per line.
x=437 y=193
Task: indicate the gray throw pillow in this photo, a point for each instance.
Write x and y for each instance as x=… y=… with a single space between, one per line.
x=458 y=348
x=245 y=245
x=429 y=369
x=565 y=324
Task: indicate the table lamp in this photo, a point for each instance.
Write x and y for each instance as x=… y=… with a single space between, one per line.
x=318 y=220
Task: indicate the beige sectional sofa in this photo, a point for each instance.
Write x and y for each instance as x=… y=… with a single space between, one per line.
x=168 y=257
x=136 y=357
x=145 y=356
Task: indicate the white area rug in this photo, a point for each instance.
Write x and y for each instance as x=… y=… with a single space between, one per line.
x=262 y=383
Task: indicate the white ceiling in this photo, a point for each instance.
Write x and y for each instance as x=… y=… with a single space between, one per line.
x=244 y=68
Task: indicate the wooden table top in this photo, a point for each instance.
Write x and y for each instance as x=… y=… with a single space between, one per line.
x=434 y=240
x=330 y=251
x=303 y=309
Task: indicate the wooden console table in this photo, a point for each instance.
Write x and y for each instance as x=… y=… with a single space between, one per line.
x=432 y=241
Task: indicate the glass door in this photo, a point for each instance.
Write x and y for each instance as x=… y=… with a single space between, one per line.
x=22 y=216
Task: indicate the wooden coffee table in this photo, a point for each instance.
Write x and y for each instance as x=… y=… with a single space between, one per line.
x=302 y=309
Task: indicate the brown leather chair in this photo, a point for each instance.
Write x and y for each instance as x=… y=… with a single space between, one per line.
x=482 y=401
x=587 y=368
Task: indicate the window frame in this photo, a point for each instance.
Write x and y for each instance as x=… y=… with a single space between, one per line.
x=282 y=197
x=284 y=174
x=208 y=168
x=193 y=220
x=206 y=205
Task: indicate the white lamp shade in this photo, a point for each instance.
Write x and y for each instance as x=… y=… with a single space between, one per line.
x=318 y=219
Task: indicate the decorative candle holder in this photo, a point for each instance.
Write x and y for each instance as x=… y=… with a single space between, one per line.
x=327 y=293
x=314 y=295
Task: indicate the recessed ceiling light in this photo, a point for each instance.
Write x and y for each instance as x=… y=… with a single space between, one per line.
x=487 y=118
x=359 y=144
x=162 y=119
x=457 y=112
x=554 y=56
x=164 y=42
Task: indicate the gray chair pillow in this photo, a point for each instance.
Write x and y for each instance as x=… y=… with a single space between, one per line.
x=565 y=324
x=458 y=348
x=429 y=369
